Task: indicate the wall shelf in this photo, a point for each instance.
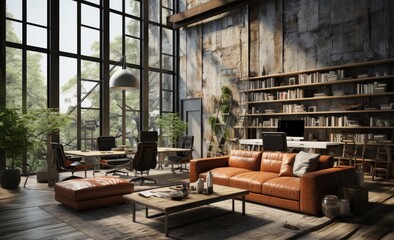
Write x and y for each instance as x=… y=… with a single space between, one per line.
x=361 y=96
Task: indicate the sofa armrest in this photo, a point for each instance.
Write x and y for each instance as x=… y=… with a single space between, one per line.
x=315 y=185
x=201 y=165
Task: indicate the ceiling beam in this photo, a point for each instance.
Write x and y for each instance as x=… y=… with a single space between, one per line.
x=203 y=11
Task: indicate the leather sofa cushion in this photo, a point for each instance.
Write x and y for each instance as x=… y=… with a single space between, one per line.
x=271 y=162
x=286 y=168
x=283 y=187
x=325 y=162
x=222 y=175
x=245 y=159
x=251 y=181
x=80 y=189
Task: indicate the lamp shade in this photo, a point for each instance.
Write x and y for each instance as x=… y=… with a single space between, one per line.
x=124 y=80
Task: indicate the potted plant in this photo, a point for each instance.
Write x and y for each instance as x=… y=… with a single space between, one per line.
x=15 y=140
x=171 y=127
x=45 y=123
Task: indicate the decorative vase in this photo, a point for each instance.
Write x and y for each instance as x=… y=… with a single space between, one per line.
x=185 y=191
x=210 y=182
x=330 y=206
x=344 y=207
x=359 y=177
x=200 y=185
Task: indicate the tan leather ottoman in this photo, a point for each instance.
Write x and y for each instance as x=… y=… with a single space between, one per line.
x=89 y=193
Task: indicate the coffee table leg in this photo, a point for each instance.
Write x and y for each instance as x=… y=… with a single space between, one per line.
x=243 y=205
x=233 y=204
x=166 y=224
x=133 y=210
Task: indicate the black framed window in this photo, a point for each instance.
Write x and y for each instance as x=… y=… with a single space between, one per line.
x=85 y=29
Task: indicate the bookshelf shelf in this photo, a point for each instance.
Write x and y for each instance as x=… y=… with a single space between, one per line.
x=355 y=98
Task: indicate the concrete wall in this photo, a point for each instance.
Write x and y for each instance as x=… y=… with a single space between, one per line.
x=279 y=36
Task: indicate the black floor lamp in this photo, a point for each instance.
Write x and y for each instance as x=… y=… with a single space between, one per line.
x=124 y=80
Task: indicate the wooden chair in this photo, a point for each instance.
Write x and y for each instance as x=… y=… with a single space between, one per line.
x=382 y=163
x=349 y=150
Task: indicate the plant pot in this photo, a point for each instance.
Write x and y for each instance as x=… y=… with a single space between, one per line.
x=42 y=175
x=10 y=178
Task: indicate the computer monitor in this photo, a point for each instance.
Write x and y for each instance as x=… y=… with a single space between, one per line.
x=274 y=141
x=294 y=129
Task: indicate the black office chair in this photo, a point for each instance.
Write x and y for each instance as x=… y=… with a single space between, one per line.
x=145 y=159
x=182 y=157
x=107 y=143
x=67 y=164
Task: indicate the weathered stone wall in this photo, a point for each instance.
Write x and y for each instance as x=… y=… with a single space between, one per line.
x=278 y=36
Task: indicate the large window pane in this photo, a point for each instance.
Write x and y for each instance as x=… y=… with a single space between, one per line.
x=165 y=13
x=154 y=13
x=167 y=101
x=36 y=36
x=132 y=27
x=37 y=12
x=36 y=77
x=14 y=9
x=90 y=131
x=68 y=26
x=68 y=99
x=68 y=84
x=133 y=7
x=90 y=42
x=167 y=41
x=116 y=5
x=167 y=62
x=115 y=37
x=168 y=4
x=90 y=16
x=14 y=31
x=154 y=96
x=90 y=92
x=133 y=50
x=167 y=83
x=13 y=77
x=154 y=46
x=90 y=70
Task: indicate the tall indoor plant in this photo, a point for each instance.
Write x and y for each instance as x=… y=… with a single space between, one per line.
x=15 y=140
x=172 y=127
x=45 y=123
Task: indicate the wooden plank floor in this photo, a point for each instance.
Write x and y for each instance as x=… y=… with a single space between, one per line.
x=21 y=217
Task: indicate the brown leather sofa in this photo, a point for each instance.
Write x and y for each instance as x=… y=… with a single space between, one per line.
x=268 y=177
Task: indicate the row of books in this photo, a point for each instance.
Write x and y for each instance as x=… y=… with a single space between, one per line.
x=293 y=108
x=266 y=83
x=260 y=96
x=290 y=94
x=318 y=77
x=359 y=137
x=330 y=121
x=368 y=88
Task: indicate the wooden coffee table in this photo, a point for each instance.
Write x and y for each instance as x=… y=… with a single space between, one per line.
x=167 y=206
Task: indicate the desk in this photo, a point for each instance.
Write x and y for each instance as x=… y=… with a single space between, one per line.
x=162 y=152
x=293 y=144
x=96 y=154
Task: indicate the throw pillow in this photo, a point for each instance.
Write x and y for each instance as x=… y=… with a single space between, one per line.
x=286 y=168
x=305 y=162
